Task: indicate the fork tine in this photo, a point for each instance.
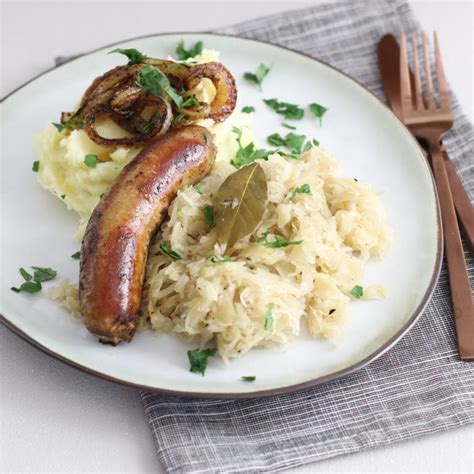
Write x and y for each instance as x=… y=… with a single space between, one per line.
x=429 y=82
x=405 y=88
x=442 y=84
x=416 y=75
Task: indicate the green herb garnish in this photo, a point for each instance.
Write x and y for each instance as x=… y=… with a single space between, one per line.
x=268 y=326
x=63 y=196
x=198 y=359
x=318 y=110
x=134 y=56
x=287 y=125
x=152 y=81
x=289 y=111
x=91 y=160
x=36 y=166
x=277 y=242
x=248 y=109
x=224 y=259
x=258 y=77
x=43 y=274
x=189 y=102
x=296 y=143
x=184 y=53
x=28 y=287
x=76 y=255
x=166 y=249
x=248 y=378
x=357 y=292
x=303 y=189
x=70 y=124
x=247 y=154
x=25 y=274
x=208 y=212
x=198 y=189
x=179 y=117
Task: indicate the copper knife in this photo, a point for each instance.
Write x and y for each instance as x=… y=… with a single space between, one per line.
x=389 y=62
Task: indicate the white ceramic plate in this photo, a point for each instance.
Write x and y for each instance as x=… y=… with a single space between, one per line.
x=372 y=146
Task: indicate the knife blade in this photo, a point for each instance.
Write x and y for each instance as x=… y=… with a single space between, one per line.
x=388 y=53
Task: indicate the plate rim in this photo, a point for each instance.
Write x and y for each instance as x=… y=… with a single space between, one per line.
x=273 y=391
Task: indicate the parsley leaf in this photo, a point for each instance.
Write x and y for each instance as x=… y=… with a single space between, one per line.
x=248 y=378
x=70 y=124
x=318 y=110
x=277 y=242
x=198 y=189
x=208 y=212
x=303 y=189
x=36 y=166
x=275 y=139
x=184 y=53
x=43 y=274
x=258 y=77
x=152 y=81
x=91 y=160
x=268 y=326
x=28 y=287
x=224 y=259
x=248 y=109
x=292 y=141
x=289 y=111
x=167 y=250
x=134 y=56
x=189 y=102
x=247 y=154
x=286 y=125
x=198 y=359
x=25 y=274
x=76 y=255
x=357 y=292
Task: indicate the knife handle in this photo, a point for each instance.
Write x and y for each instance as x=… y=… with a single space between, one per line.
x=461 y=200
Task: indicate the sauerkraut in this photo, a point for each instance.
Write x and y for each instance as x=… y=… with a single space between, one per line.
x=340 y=223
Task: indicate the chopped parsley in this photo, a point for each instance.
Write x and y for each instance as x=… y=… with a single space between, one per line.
x=268 y=326
x=208 y=212
x=357 y=292
x=303 y=189
x=287 y=125
x=76 y=255
x=70 y=124
x=152 y=81
x=198 y=359
x=289 y=111
x=247 y=154
x=296 y=143
x=189 y=102
x=63 y=196
x=32 y=283
x=224 y=259
x=134 y=56
x=258 y=77
x=248 y=109
x=145 y=127
x=91 y=160
x=43 y=274
x=167 y=250
x=198 y=189
x=248 y=378
x=318 y=110
x=36 y=166
x=277 y=242
x=184 y=54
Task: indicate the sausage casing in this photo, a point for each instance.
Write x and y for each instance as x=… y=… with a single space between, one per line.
x=118 y=234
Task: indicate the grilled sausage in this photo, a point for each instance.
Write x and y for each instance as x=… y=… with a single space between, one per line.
x=115 y=245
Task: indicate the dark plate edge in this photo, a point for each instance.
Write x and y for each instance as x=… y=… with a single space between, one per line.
x=290 y=388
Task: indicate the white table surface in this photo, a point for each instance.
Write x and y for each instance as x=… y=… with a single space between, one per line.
x=58 y=419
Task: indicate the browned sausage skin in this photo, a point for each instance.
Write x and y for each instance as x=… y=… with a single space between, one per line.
x=115 y=245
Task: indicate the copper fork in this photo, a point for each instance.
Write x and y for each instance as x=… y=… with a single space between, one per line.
x=431 y=122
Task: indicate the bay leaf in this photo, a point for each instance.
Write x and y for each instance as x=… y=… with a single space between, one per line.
x=240 y=204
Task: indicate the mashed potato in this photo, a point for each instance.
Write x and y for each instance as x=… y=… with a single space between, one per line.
x=341 y=224
x=63 y=172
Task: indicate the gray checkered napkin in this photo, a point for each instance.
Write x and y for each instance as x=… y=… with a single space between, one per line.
x=418 y=387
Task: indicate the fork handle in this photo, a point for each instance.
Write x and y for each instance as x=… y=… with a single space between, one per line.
x=461 y=295
x=461 y=202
